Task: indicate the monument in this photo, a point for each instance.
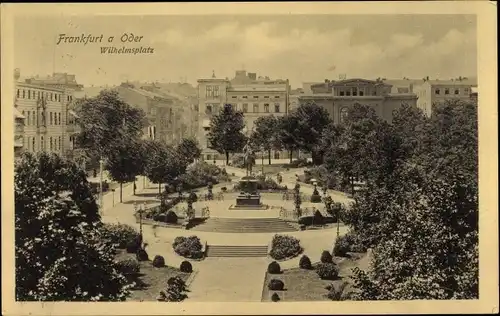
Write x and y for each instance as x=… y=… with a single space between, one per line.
x=249 y=197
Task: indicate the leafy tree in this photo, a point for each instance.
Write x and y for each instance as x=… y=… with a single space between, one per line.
x=265 y=135
x=164 y=164
x=225 y=133
x=189 y=149
x=312 y=120
x=288 y=129
x=408 y=123
x=60 y=252
x=126 y=162
x=106 y=120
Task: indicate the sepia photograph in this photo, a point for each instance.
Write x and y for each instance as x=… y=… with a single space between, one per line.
x=290 y=156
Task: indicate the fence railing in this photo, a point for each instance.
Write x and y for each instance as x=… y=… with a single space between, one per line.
x=294 y=215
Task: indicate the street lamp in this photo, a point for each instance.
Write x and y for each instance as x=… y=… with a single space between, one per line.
x=140 y=210
x=113 y=190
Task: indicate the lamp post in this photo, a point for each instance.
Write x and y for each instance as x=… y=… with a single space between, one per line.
x=101 y=167
x=113 y=190
x=140 y=210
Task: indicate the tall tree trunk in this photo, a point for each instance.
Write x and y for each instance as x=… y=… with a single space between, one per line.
x=159 y=187
x=269 y=155
x=291 y=153
x=134 y=186
x=227 y=158
x=121 y=192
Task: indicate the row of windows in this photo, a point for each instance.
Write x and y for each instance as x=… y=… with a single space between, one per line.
x=447 y=91
x=255 y=97
x=36 y=95
x=31 y=118
x=212 y=91
x=30 y=144
x=214 y=108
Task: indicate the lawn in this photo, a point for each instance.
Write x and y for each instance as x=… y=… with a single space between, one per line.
x=305 y=285
x=150 y=280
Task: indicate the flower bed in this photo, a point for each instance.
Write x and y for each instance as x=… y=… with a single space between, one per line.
x=285 y=247
x=188 y=247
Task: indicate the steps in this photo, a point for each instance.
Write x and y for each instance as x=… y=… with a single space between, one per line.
x=244 y=225
x=236 y=251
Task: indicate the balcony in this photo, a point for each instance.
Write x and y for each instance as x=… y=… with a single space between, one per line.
x=41 y=129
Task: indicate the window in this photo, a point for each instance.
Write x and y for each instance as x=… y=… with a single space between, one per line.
x=447 y=91
x=245 y=107
x=29 y=94
x=255 y=107
x=245 y=97
x=348 y=93
x=215 y=108
x=33 y=143
x=266 y=108
x=42 y=144
x=437 y=91
x=457 y=91
x=209 y=92
x=24 y=94
x=276 y=107
x=361 y=93
x=28 y=120
x=234 y=97
x=341 y=93
x=59 y=141
x=466 y=90
x=374 y=92
x=59 y=118
x=34 y=118
x=50 y=147
x=343 y=114
x=208 y=109
x=266 y=97
x=255 y=96
x=216 y=91
x=50 y=120
x=354 y=91
x=276 y=96
x=18 y=93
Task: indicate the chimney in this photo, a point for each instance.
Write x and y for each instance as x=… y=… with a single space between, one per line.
x=17 y=74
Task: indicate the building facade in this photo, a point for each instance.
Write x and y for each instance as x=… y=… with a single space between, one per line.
x=49 y=121
x=254 y=96
x=337 y=96
x=435 y=91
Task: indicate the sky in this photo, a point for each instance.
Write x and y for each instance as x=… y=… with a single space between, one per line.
x=301 y=48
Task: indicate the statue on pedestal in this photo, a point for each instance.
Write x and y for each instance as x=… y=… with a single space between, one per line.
x=249 y=157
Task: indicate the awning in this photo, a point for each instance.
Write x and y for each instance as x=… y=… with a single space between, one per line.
x=18 y=114
x=73 y=113
x=206 y=123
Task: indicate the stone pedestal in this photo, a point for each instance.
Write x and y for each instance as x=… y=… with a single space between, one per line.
x=249 y=197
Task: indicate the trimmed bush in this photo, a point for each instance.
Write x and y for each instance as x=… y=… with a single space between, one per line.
x=158 y=262
x=186 y=267
x=305 y=263
x=120 y=235
x=326 y=257
x=141 y=255
x=128 y=266
x=188 y=247
x=274 y=268
x=134 y=244
x=275 y=297
x=276 y=285
x=171 y=217
x=284 y=247
x=327 y=271
x=342 y=246
x=318 y=218
x=316 y=198
x=305 y=220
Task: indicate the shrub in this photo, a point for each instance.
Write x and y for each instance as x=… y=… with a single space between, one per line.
x=305 y=220
x=284 y=247
x=186 y=267
x=176 y=290
x=299 y=163
x=316 y=198
x=338 y=293
x=275 y=297
x=326 y=257
x=158 y=262
x=305 y=263
x=141 y=255
x=342 y=246
x=120 y=235
x=171 y=217
x=274 y=268
x=127 y=266
x=188 y=247
x=327 y=271
x=134 y=244
x=276 y=285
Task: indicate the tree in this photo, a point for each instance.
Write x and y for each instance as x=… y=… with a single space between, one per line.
x=106 y=120
x=126 y=162
x=408 y=123
x=164 y=164
x=265 y=135
x=189 y=149
x=312 y=120
x=225 y=135
x=176 y=290
x=288 y=129
x=60 y=252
